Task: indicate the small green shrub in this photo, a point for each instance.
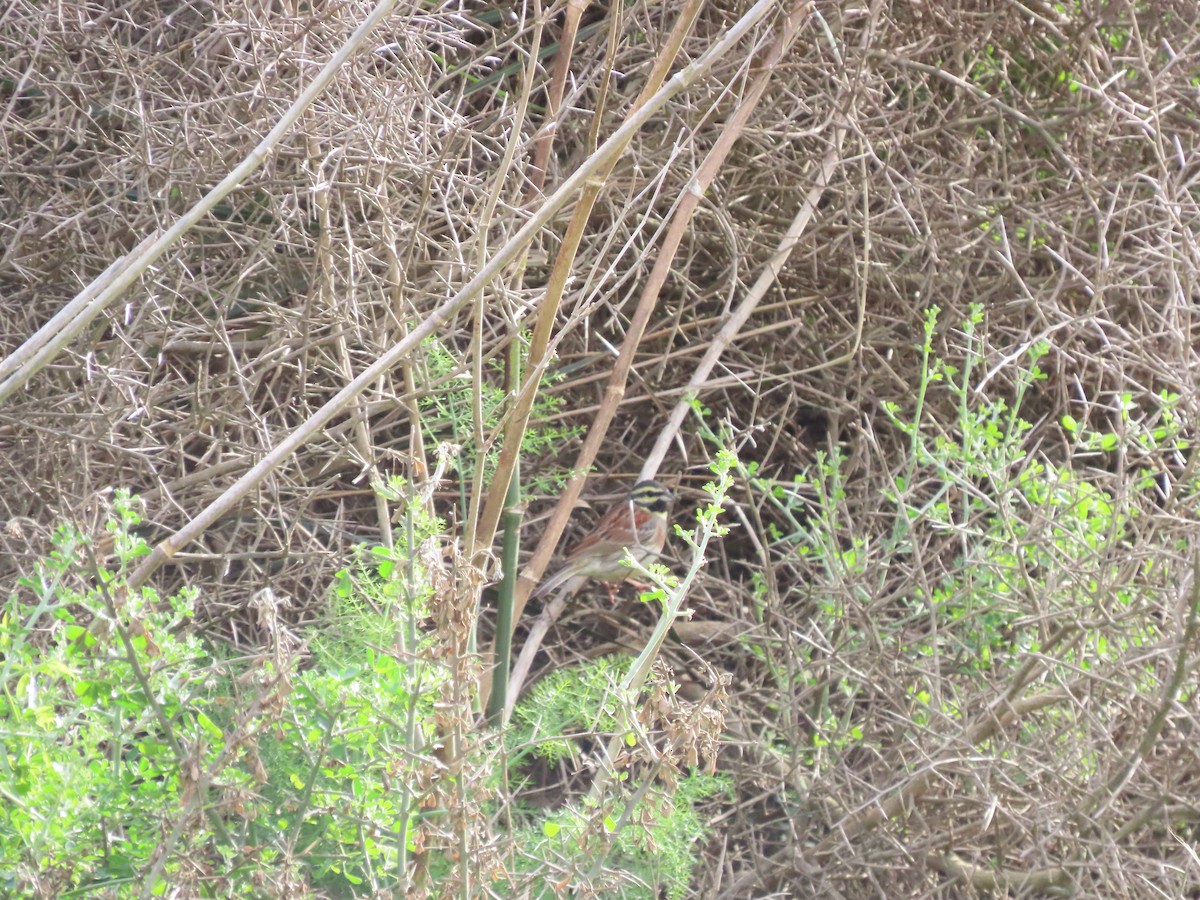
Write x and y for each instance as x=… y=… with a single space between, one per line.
x=1025 y=546
x=134 y=753
x=132 y=750
x=654 y=853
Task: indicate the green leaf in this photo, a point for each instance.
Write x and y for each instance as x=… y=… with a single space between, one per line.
x=211 y=727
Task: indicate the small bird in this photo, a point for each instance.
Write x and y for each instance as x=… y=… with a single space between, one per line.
x=637 y=524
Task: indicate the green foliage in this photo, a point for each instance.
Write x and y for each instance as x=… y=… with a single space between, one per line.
x=1151 y=433
x=349 y=731
x=661 y=848
x=1023 y=522
x=566 y=702
x=655 y=855
x=446 y=410
x=1036 y=544
x=126 y=740
x=88 y=773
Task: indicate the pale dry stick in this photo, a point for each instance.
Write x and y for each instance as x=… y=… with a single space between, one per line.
x=616 y=18
x=520 y=669
x=46 y=343
x=539 y=343
x=418 y=461
x=721 y=341
x=558 y=84
x=505 y=255
x=1003 y=881
x=658 y=276
x=485 y=222
x=359 y=418
x=82 y=304
x=536 y=183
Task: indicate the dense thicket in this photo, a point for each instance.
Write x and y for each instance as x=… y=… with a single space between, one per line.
x=1035 y=162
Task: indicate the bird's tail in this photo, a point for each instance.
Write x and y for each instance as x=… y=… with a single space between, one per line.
x=563 y=576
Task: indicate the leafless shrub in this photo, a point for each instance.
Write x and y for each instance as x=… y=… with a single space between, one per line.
x=1037 y=159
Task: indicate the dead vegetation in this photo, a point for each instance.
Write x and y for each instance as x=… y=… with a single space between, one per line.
x=1040 y=160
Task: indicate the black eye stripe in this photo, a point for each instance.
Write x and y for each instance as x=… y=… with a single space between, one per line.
x=652 y=496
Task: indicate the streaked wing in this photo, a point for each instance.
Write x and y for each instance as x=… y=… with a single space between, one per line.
x=598 y=541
